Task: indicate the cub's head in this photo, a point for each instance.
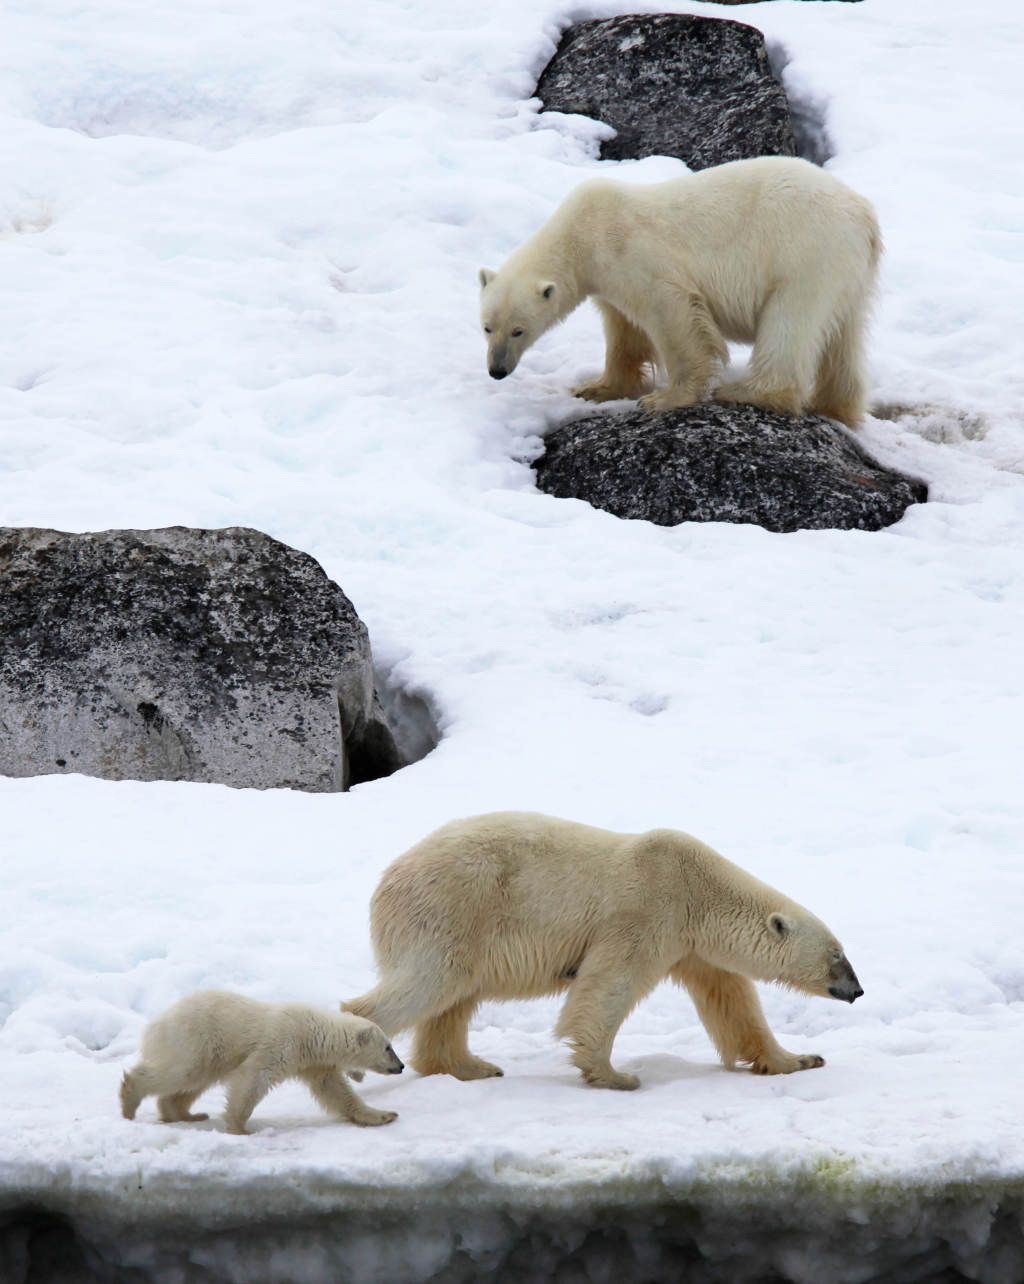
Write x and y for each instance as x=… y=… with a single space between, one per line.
x=808 y=957
x=514 y=314
x=370 y=1047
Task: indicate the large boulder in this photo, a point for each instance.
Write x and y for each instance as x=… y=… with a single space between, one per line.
x=718 y=463
x=673 y=85
x=178 y=654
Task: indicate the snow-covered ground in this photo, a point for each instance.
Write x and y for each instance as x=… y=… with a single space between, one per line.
x=238 y=254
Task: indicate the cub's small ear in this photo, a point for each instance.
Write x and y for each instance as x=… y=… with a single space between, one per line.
x=365 y=1036
x=780 y=925
x=547 y=289
x=486 y=277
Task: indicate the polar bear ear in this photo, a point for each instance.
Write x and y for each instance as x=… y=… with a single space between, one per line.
x=486 y=277
x=547 y=289
x=364 y=1036
x=780 y=925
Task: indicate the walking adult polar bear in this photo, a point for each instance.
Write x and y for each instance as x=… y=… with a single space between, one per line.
x=772 y=251
x=214 y=1036
x=514 y=905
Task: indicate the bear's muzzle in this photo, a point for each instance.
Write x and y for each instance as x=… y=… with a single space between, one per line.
x=843 y=982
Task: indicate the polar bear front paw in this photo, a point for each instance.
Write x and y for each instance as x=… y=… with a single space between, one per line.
x=374 y=1118
x=786 y=1063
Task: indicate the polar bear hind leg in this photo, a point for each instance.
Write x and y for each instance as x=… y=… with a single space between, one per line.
x=600 y=998
x=839 y=391
x=439 y=1000
x=788 y=348
x=441 y=1045
x=134 y=1087
x=172 y=1102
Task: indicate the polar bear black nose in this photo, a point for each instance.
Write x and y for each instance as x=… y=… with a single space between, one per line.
x=497 y=372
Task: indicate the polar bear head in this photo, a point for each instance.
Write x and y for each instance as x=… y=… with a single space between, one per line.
x=368 y=1045
x=514 y=313
x=806 y=956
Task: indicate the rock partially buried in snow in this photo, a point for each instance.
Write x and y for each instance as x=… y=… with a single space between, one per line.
x=717 y=463
x=673 y=85
x=178 y=654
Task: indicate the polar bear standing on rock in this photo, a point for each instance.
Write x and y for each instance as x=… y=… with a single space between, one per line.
x=216 y=1037
x=772 y=251
x=514 y=905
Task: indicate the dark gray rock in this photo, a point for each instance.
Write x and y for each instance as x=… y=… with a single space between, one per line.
x=177 y=654
x=673 y=85
x=717 y=463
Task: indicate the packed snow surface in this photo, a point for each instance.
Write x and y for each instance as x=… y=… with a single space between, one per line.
x=239 y=247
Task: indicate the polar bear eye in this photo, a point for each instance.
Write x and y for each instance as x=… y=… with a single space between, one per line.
x=517 y=333
x=487 y=329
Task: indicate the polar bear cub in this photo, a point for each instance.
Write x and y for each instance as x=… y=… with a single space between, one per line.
x=250 y=1046
x=771 y=251
x=514 y=905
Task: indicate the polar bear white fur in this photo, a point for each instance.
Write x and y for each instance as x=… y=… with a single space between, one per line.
x=772 y=251
x=217 y=1037
x=514 y=905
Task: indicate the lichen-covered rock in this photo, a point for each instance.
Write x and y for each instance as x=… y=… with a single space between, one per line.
x=717 y=463
x=673 y=85
x=178 y=654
